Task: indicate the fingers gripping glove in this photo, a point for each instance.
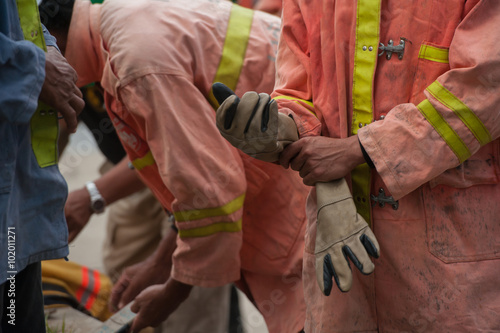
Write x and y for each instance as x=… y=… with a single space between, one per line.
x=341 y=234
x=253 y=123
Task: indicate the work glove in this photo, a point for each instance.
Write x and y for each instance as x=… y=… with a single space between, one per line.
x=341 y=234
x=253 y=123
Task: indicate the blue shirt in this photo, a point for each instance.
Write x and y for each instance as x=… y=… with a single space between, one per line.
x=32 y=223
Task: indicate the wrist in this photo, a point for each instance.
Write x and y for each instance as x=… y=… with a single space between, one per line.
x=366 y=157
x=355 y=152
x=181 y=289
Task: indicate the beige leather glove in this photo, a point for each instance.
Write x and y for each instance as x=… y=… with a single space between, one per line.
x=341 y=233
x=253 y=124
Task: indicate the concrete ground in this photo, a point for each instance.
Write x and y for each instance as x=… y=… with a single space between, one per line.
x=80 y=163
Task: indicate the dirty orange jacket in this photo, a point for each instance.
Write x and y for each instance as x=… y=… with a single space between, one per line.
x=429 y=118
x=238 y=218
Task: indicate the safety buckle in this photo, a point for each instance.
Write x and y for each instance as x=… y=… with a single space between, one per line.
x=391 y=48
x=382 y=199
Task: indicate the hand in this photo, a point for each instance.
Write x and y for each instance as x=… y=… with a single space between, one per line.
x=77 y=211
x=135 y=279
x=59 y=89
x=341 y=234
x=321 y=159
x=253 y=124
x=156 y=303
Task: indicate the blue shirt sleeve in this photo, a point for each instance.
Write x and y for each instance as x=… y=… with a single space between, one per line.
x=49 y=39
x=22 y=73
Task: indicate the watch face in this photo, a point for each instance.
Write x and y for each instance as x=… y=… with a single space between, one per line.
x=98 y=205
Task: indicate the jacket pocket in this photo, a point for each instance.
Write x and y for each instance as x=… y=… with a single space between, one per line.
x=480 y=169
x=432 y=62
x=462 y=223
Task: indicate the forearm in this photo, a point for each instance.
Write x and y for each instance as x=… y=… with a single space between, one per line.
x=165 y=250
x=119 y=182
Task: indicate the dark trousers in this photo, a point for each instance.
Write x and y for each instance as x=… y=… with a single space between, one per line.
x=21 y=302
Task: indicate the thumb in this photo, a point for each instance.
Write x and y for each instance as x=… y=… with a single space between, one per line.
x=221 y=92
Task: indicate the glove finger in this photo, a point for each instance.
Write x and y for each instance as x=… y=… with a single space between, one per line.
x=342 y=270
x=226 y=112
x=358 y=255
x=369 y=246
x=265 y=116
x=221 y=92
x=230 y=113
x=252 y=115
x=328 y=274
x=371 y=236
x=349 y=254
x=255 y=105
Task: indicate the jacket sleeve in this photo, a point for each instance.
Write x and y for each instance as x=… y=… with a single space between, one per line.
x=461 y=113
x=49 y=39
x=200 y=169
x=293 y=88
x=22 y=73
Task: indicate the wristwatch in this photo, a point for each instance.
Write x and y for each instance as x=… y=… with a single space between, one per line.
x=97 y=203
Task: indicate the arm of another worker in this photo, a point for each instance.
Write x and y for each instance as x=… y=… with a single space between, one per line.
x=203 y=173
x=154 y=270
x=59 y=89
x=116 y=184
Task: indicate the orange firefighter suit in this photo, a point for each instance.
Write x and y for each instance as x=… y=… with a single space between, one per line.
x=428 y=116
x=238 y=219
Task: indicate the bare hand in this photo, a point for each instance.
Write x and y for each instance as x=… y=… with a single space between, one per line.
x=77 y=211
x=135 y=279
x=322 y=159
x=59 y=89
x=156 y=303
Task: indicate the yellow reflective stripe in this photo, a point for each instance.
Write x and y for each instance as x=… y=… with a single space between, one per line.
x=433 y=53
x=44 y=134
x=298 y=100
x=198 y=214
x=365 y=61
x=295 y=99
x=367 y=35
x=142 y=162
x=211 y=229
x=233 y=52
x=44 y=124
x=30 y=22
x=444 y=129
x=361 y=190
x=468 y=117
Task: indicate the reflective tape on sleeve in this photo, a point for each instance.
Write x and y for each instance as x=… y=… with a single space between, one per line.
x=298 y=101
x=465 y=114
x=211 y=229
x=198 y=214
x=444 y=129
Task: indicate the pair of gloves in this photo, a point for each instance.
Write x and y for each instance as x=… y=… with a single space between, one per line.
x=254 y=125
